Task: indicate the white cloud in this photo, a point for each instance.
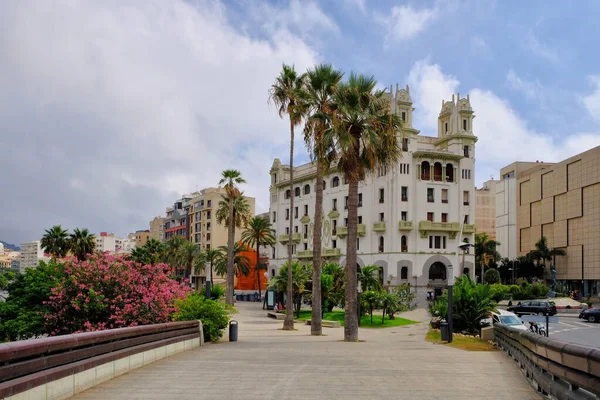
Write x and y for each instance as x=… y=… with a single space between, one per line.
x=531 y=90
x=504 y=137
x=111 y=109
x=538 y=48
x=592 y=101
x=406 y=22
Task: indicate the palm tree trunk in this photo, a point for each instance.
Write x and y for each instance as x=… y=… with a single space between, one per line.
x=288 y=322
x=230 y=244
x=257 y=271
x=351 y=307
x=316 y=324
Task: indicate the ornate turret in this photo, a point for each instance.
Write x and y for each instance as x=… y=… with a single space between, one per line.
x=456 y=117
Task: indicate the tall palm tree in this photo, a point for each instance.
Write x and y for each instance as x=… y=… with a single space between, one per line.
x=366 y=138
x=211 y=256
x=484 y=246
x=258 y=233
x=82 y=243
x=241 y=263
x=320 y=85
x=231 y=178
x=241 y=211
x=172 y=250
x=286 y=94
x=188 y=255
x=155 y=251
x=543 y=253
x=56 y=241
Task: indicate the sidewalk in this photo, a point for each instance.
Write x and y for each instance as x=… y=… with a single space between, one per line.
x=267 y=363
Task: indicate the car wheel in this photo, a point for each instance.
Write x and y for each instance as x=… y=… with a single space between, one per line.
x=592 y=318
x=540 y=313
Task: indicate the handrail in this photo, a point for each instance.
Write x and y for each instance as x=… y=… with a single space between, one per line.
x=562 y=369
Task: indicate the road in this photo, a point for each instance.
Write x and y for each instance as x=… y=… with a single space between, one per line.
x=573 y=329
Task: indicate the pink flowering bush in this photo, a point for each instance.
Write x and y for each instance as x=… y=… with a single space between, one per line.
x=106 y=292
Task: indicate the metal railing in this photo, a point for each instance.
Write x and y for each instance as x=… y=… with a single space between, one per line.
x=560 y=369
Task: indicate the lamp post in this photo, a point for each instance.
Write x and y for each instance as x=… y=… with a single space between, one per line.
x=208 y=282
x=449 y=314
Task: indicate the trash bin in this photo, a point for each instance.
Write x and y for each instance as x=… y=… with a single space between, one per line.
x=233 y=331
x=246 y=297
x=444 y=329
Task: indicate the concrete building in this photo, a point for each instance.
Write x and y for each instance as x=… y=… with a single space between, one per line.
x=31 y=254
x=485 y=209
x=125 y=245
x=412 y=217
x=506 y=207
x=5 y=262
x=106 y=242
x=176 y=220
x=15 y=265
x=562 y=203
x=141 y=237
x=157 y=228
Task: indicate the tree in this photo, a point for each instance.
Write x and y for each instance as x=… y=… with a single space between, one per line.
x=335 y=296
x=405 y=299
x=212 y=256
x=485 y=247
x=372 y=300
x=365 y=132
x=231 y=178
x=241 y=211
x=389 y=304
x=241 y=263
x=190 y=256
x=258 y=233
x=82 y=243
x=543 y=253
x=152 y=252
x=173 y=250
x=56 y=242
x=320 y=85
x=286 y=94
x=492 y=276
x=6 y=277
x=300 y=279
x=369 y=278
x=471 y=304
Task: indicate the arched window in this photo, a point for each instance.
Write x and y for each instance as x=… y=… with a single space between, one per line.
x=272 y=272
x=437 y=171
x=381 y=244
x=437 y=271
x=404 y=273
x=297 y=192
x=335 y=182
x=288 y=194
x=425 y=171
x=465 y=271
x=324 y=185
x=306 y=189
x=404 y=244
x=449 y=172
x=380 y=275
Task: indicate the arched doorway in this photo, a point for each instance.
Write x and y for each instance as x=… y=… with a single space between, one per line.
x=437 y=272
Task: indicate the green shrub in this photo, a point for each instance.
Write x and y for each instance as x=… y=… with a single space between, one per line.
x=213 y=314
x=492 y=276
x=471 y=304
x=500 y=292
x=216 y=292
x=539 y=290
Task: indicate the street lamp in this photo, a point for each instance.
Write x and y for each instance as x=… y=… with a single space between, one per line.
x=465 y=249
x=208 y=282
x=449 y=313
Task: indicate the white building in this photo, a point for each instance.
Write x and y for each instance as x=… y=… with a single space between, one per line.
x=106 y=242
x=31 y=254
x=125 y=244
x=412 y=217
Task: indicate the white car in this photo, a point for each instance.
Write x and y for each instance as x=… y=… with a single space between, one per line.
x=507 y=318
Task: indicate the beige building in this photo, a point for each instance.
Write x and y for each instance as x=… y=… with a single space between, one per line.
x=141 y=237
x=562 y=203
x=485 y=209
x=157 y=228
x=31 y=254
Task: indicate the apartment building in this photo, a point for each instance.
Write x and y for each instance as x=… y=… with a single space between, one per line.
x=485 y=209
x=106 y=242
x=125 y=245
x=141 y=237
x=157 y=228
x=562 y=202
x=412 y=217
x=31 y=254
x=176 y=220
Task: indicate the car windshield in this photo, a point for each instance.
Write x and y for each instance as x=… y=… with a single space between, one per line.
x=509 y=320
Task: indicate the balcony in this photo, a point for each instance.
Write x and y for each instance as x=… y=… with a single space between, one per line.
x=331 y=252
x=379 y=226
x=342 y=231
x=469 y=228
x=284 y=238
x=304 y=254
x=425 y=227
x=296 y=237
x=405 y=225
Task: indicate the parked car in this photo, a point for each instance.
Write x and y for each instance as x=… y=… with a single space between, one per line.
x=591 y=314
x=507 y=318
x=533 y=307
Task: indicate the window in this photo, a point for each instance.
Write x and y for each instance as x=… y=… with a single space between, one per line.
x=345 y=221
x=437 y=172
x=404 y=191
x=449 y=172
x=381 y=244
x=305 y=246
x=403 y=115
x=334 y=243
x=425 y=171
x=296 y=229
x=209 y=203
x=198 y=226
x=360 y=199
x=208 y=248
x=430 y=216
x=334 y=228
x=208 y=236
x=297 y=192
x=274 y=216
x=430 y=195
x=306 y=189
x=404 y=144
x=464 y=124
x=437 y=242
x=306 y=210
x=274 y=179
x=357 y=244
x=273 y=253
x=405 y=169
x=345 y=202
x=208 y=214
x=445 y=196
x=404 y=216
x=381 y=217
x=444 y=242
x=466 y=174
x=466 y=220
x=208 y=226
x=324 y=185
x=360 y=219
x=287 y=230
x=334 y=205
x=287 y=214
x=197 y=237
x=335 y=182
x=345 y=181
x=294 y=249
x=305 y=232
x=465 y=198
x=444 y=217
x=404 y=273
x=273 y=197
x=466 y=151
x=403 y=244
x=381 y=170
x=287 y=194
x=198 y=216
x=445 y=127
x=381 y=195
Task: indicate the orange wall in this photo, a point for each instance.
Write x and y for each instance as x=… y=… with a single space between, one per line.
x=249 y=282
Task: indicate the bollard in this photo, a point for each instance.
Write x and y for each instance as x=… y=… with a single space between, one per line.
x=233 y=331
x=445 y=331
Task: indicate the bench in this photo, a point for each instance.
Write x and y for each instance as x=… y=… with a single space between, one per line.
x=275 y=315
x=326 y=324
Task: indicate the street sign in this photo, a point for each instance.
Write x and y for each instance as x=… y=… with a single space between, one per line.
x=539 y=318
x=450 y=273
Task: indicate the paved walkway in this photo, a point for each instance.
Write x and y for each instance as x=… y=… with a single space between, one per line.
x=267 y=363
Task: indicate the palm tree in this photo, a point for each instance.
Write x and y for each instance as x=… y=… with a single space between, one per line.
x=543 y=253
x=258 y=233
x=484 y=246
x=155 y=251
x=286 y=94
x=231 y=178
x=211 y=256
x=369 y=278
x=300 y=279
x=320 y=84
x=365 y=133
x=172 y=251
x=55 y=242
x=241 y=211
x=241 y=263
x=189 y=255
x=82 y=243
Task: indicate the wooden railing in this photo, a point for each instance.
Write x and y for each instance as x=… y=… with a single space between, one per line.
x=560 y=369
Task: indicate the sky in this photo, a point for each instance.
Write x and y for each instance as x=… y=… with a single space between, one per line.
x=109 y=111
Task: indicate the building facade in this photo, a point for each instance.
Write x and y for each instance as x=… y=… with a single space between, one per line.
x=124 y=245
x=176 y=220
x=562 y=203
x=141 y=237
x=412 y=217
x=485 y=209
x=106 y=242
x=31 y=254
x=157 y=228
